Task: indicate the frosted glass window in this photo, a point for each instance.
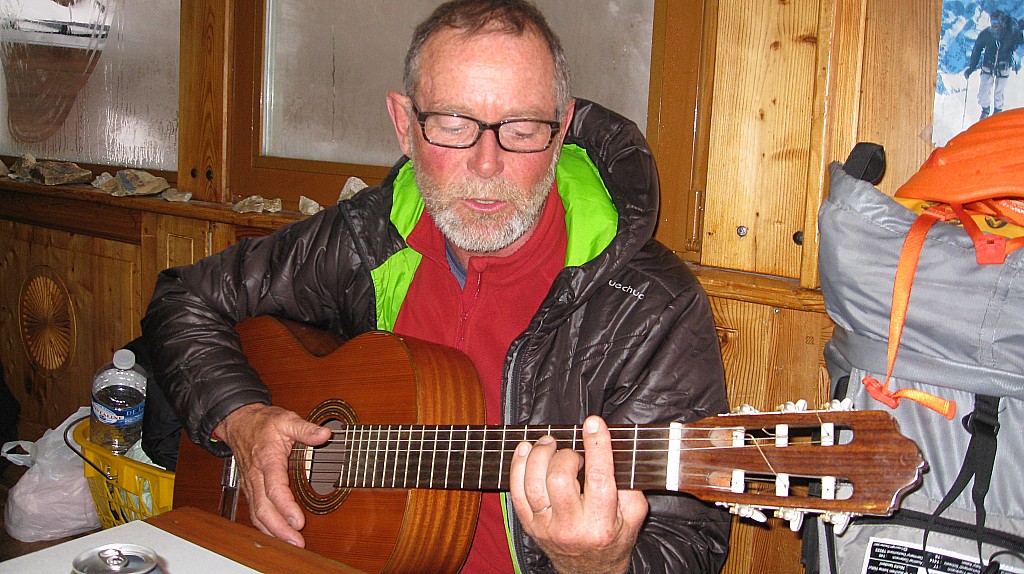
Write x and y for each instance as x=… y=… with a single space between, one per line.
x=329 y=65
x=91 y=81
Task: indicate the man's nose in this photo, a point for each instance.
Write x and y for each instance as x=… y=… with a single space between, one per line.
x=486 y=156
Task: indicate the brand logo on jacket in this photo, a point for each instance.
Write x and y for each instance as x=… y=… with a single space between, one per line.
x=626 y=289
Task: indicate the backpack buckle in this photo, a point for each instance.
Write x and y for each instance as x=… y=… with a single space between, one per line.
x=990 y=249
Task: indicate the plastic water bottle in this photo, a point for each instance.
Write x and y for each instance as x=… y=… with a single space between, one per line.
x=118 y=401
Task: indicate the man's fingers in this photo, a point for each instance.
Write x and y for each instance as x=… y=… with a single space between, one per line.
x=262 y=438
x=535 y=476
x=600 y=497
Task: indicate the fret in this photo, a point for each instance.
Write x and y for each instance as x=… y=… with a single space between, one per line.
x=398 y=449
x=465 y=458
x=433 y=458
x=408 y=457
x=632 y=466
x=501 y=457
x=346 y=462
x=374 y=454
x=386 y=438
x=377 y=463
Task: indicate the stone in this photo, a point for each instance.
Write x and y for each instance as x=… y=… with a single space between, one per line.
x=59 y=173
x=105 y=182
x=352 y=186
x=22 y=168
x=272 y=205
x=308 y=207
x=138 y=182
x=251 y=204
x=172 y=194
x=257 y=204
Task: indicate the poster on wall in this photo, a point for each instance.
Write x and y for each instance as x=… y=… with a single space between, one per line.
x=979 y=70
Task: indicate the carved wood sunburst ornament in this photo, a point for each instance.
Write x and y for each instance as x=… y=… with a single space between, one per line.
x=47 y=320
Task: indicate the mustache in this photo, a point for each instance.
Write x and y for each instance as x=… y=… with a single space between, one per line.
x=490 y=190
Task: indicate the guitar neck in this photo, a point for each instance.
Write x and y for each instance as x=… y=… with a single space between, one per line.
x=478 y=457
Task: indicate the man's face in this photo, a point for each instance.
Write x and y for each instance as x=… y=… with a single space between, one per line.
x=484 y=199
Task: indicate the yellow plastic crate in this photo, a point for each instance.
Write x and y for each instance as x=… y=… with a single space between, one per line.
x=137 y=491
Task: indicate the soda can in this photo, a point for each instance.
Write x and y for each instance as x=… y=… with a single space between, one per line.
x=116 y=559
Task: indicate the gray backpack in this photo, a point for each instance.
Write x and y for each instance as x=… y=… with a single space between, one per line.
x=962 y=341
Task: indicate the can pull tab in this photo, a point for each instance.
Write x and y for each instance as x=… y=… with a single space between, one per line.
x=113 y=558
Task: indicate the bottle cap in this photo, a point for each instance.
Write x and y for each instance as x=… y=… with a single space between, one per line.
x=124 y=359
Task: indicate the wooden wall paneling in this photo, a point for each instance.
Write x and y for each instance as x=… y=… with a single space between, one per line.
x=679 y=52
x=840 y=74
x=898 y=87
x=817 y=162
x=772 y=355
x=202 y=99
x=67 y=302
x=764 y=88
x=170 y=241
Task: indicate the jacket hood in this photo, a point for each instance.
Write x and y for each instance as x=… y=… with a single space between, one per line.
x=626 y=165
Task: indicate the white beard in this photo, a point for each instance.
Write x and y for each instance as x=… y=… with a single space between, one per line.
x=483 y=232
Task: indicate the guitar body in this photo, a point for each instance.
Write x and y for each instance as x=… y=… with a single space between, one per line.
x=376 y=378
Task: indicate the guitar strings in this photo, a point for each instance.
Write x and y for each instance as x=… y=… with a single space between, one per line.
x=367 y=453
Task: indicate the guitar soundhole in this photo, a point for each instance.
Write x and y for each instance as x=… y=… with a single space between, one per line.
x=316 y=470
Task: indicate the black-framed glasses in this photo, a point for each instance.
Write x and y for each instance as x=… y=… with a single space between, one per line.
x=517 y=135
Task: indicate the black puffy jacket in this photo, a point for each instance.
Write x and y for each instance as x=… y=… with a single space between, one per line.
x=627 y=335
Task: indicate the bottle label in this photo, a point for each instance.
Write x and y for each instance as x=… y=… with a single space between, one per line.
x=118 y=417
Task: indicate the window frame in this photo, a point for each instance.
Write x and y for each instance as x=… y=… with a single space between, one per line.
x=220 y=132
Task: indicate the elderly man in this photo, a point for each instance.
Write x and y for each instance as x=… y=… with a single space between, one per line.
x=519 y=230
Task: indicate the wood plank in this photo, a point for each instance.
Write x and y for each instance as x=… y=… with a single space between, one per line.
x=244 y=544
x=898 y=88
x=202 y=99
x=754 y=288
x=74 y=215
x=194 y=209
x=675 y=93
x=760 y=135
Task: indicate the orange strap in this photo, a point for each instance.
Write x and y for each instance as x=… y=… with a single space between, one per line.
x=905 y=270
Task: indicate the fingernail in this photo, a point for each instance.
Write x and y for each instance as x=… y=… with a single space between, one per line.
x=545 y=440
x=293 y=523
x=590 y=426
x=523 y=449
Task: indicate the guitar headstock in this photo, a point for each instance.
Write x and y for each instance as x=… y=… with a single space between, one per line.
x=836 y=461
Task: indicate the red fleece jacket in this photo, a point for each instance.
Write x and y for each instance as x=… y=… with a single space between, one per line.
x=500 y=297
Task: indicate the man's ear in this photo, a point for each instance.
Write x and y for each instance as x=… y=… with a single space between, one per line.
x=400 y=110
x=567 y=120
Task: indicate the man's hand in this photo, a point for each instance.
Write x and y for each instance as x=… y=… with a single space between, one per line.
x=593 y=530
x=261 y=438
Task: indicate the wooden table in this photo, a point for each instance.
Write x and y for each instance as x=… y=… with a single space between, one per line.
x=244 y=544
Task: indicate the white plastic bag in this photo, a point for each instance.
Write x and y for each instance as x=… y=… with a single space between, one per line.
x=52 y=499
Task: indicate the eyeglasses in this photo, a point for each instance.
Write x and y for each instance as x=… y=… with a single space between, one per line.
x=517 y=135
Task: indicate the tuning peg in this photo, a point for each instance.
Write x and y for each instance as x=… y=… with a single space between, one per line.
x=839 y=520
x=791 y=407
x=840 y=405
x=794 y=516
x=746 y=511
x=745 y=409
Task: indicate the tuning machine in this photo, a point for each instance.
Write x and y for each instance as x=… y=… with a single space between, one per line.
x=839 y=520
x=745 y=511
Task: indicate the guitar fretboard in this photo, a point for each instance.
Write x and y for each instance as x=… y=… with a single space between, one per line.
x=477 y=457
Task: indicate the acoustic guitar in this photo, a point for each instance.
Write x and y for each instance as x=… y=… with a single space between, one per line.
x=397 y=487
